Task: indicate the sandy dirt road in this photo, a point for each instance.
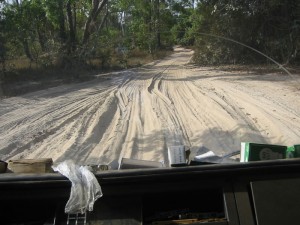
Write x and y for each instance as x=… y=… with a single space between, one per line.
x=138 y=113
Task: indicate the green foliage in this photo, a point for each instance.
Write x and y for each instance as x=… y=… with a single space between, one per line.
x=146 y=23
x=271 y=27
x=78 y=33
x=181 y=31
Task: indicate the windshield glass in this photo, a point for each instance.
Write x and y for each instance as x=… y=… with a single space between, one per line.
x=97 y=81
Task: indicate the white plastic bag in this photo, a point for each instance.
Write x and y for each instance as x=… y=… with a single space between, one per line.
x=85 y=188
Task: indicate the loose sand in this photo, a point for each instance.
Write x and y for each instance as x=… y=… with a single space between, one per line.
x=138 y=113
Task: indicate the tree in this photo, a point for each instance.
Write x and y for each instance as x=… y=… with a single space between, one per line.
x=77 y=30
x=97 y=7
x=63 y=16
x=182 y=12
x=2 y=41
x=271 y=27
x=147 y=23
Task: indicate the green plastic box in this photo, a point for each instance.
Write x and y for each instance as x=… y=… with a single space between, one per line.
x=259 y=152
x=293 y=151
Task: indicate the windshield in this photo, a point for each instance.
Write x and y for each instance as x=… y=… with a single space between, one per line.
x=97 y=81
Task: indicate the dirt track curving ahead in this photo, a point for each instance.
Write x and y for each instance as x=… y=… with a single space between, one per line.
x=138 y=113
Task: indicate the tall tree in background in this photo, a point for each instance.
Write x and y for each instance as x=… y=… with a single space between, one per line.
x=147 y=23
x=182 y=12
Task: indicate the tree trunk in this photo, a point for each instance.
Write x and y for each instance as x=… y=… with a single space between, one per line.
x=96 y=9
x=72 y=34
x=61 y=18
x=102 y=22
x=2 y=50
x=75 y=20
x=27 y=49
x=41 y=38
x=157 y=23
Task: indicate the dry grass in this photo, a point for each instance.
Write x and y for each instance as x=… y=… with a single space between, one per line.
x=24 y=76
x=21 y=64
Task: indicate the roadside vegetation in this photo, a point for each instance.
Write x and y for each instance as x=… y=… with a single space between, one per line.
x=48 y=41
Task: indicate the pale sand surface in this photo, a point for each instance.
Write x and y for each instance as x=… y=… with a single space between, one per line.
x=138 y=113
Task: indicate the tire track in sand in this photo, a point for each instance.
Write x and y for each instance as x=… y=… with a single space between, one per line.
x=139 y=113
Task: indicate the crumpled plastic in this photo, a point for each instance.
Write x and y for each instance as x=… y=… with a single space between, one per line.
x=210 y=157
x=85 y=189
